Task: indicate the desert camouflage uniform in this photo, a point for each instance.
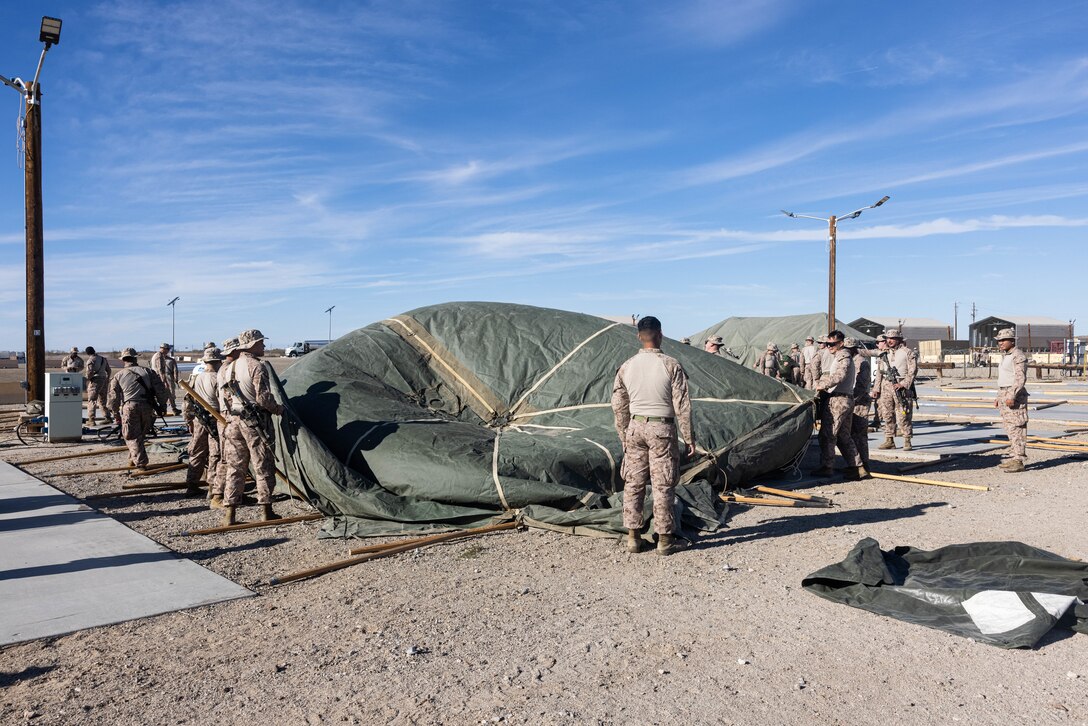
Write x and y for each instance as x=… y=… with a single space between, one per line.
x=859 y=427
x=1012 y=375
x=167 y=368
x=837 y=414
x=807 y=354
x=893 y=415
x=98 y=383
x=797 y=372
x=768 y=364
x=135 y=393
x=204 y=450
x=246 y=441
x=72 y=363
x=650 y=400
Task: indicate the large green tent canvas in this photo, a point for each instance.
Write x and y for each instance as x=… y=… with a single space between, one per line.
x=747 y=338
x=454 y=414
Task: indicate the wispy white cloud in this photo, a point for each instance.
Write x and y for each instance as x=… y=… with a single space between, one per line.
x=713 y=24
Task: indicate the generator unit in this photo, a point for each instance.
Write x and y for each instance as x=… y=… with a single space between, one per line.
x=64 y=407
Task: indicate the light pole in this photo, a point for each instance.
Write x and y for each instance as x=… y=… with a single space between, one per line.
x=173 y=308
x=329 y=311
x=35 y=256
x=832 y=232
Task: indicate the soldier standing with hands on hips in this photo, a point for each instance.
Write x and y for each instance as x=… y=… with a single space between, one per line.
x=650 y=400
x=1012 y=398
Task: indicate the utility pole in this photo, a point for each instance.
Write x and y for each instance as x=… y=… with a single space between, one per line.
x=172 y=305
x=32 y=180
x=329 y=311
x=955 y=321
x=832 y=238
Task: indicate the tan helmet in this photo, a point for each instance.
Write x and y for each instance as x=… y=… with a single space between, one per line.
x=212 y=355
x=129 y=354
x=249 y=338
x=1006 y=334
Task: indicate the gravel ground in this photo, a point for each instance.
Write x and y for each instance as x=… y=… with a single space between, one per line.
x=537 y=627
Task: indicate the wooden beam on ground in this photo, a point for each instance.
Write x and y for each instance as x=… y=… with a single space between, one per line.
x=137 y=492
x=769 y=502
x=253 y=525
x=160 y=470
x=1049 y=447
x=149 y=469
x=96 y=452
x=392 y=549
x=930 y=482
x=791 y=495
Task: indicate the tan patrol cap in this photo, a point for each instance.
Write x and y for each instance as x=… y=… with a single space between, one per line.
x=128 y=353
x=211 y=355
x=822 y=339
x=1006 y=334
x=810 y=338
x=893 y=333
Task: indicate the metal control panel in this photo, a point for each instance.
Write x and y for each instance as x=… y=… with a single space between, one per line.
x=64 y=406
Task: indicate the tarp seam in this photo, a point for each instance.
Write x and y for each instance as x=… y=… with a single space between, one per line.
x=540 y=381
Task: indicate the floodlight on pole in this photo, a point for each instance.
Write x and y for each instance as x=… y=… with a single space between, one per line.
x=31 y=126
x=173 y=308
x=329 y=311
x=832 y=234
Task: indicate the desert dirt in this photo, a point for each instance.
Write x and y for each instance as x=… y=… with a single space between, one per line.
x=535 y=627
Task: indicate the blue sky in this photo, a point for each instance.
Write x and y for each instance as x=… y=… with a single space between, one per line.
x=265 y=160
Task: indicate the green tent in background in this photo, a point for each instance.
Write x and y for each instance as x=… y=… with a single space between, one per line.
x=747 y=338
x=452 y=415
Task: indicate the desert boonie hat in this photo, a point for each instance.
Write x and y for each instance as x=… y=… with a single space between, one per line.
x=211 y=355
x=128 y=353
x=893 y=333
x=716 y=340
x=229 y=346
x=1006 y=334
x=249 y=337
x=850 y=343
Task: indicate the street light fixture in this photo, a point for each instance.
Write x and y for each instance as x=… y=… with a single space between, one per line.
x=173 y=308
x=832 y=233
x=329 y=311
x=31 y=122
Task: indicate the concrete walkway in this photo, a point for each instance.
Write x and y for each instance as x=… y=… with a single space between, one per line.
x=65 y=567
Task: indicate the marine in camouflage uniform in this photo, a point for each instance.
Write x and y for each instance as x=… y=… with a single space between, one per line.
x=807 y=354
x=837 y=412
x=897 y=417
x=229 y=353
x=797 y=371
x=98 y=384
x=72 y=363
x=204 y=444
x=164 y=364
x=650 y=401
x=248 y=436
x=859 y=427
x=767 y=364
x=136 y=394
x=1012 y=398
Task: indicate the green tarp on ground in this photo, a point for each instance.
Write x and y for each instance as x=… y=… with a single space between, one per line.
x=747 y=338
x=1006 y=594
x=451 y=415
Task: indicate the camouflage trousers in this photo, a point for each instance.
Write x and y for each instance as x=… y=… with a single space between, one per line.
x=203 y=455
x=1016 y=424
x=217 y=484
x=859 y=430
x=97 y=391
x=243 y=445
x=836 y=419
x=136 y=418
x=171 y=399
x=651 y=455
x=894 y=418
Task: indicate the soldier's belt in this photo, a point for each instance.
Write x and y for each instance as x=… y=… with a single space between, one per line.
x=653 y=419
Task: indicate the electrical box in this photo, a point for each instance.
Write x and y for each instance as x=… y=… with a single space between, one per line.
x=64 y=406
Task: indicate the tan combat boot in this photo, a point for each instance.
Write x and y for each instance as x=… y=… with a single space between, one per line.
x=268 y=515
x=856 y=473
x=889 y=443
x=634 y=542
x=906 y=444
x=216 y=502
x=667 y=544
x=1015 y=465
x=228 y=516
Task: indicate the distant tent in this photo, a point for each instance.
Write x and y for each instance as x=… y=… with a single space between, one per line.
x=454 y=414
x=748 y=337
